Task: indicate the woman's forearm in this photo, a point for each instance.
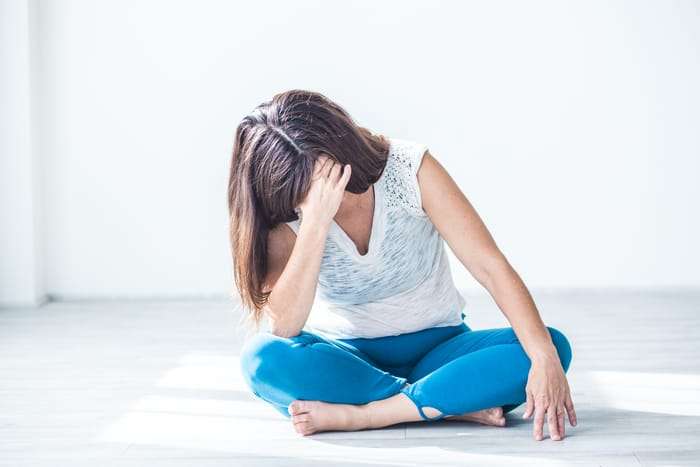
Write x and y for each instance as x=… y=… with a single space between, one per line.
x=292 y=296
x=513 y=298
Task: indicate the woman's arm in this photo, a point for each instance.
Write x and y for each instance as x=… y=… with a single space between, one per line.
x=292 y=277
x=293 y=267
x=462 y=228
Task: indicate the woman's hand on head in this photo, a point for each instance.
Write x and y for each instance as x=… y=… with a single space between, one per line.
x=548 y=396
x=325 y=194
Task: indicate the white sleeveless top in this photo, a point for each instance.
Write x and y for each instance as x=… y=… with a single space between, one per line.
x=404 y=282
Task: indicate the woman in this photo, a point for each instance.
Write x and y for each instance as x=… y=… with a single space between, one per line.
x=337 y=238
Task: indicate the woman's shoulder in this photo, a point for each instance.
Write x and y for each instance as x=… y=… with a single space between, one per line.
x=406 y=150
x=401 y=175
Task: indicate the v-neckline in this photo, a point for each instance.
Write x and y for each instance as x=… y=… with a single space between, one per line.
x=375 y=231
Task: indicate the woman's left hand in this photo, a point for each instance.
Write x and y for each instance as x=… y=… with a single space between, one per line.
x=547 y=392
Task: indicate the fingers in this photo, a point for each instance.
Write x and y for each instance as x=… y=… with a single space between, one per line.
x=529 y=406
x=318 y=163
x=320 y=166
x=547 y=394
x=538 y=424
x=332 y=170
x=569 y=404
x=345 y=177
x=335 y=172
x=560 y=420
x=553 y=423
x=328 y=166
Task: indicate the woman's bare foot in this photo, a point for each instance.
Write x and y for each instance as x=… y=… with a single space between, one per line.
x=493 y=417
x=310 y=417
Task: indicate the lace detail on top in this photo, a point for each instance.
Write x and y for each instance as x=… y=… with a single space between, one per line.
x=400 y=178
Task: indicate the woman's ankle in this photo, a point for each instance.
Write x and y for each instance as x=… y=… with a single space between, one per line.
x=368 y=416
x=386 y=412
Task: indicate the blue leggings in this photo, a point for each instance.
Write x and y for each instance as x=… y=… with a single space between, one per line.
x=452 y=369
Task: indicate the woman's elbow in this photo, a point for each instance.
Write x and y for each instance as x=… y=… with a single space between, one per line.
x=491 y=268
x=284 y=330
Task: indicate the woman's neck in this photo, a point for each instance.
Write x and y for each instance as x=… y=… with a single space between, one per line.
x=352 y=202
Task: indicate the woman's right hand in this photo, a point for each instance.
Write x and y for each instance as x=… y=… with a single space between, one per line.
x=325 y=194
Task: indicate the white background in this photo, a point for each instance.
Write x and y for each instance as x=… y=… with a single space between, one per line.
x=573 y=127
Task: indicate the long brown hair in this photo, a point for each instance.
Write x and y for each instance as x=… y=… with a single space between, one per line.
x=274 y=151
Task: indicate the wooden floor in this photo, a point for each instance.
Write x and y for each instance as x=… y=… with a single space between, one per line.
x=157 y=384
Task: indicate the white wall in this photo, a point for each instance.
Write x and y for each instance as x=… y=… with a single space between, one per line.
x=21 y=281
x=571 y=126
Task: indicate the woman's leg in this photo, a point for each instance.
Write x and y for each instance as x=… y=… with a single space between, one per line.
x=281 y=370
x=473 y=371
x=450 y=385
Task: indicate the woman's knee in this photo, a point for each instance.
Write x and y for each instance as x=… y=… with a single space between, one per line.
x=272 y=361
x=561 y=342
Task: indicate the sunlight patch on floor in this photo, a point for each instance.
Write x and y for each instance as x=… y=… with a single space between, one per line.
x=201 y=371
x=663 y=393
x=206 y=407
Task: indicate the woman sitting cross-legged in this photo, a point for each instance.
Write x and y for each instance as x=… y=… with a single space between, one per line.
x=337 y=236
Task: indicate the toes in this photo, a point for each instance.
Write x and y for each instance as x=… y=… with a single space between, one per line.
x=301 y=418
x=304 y=428
x=297 y=407
x=496 y=411
x=496 y=416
